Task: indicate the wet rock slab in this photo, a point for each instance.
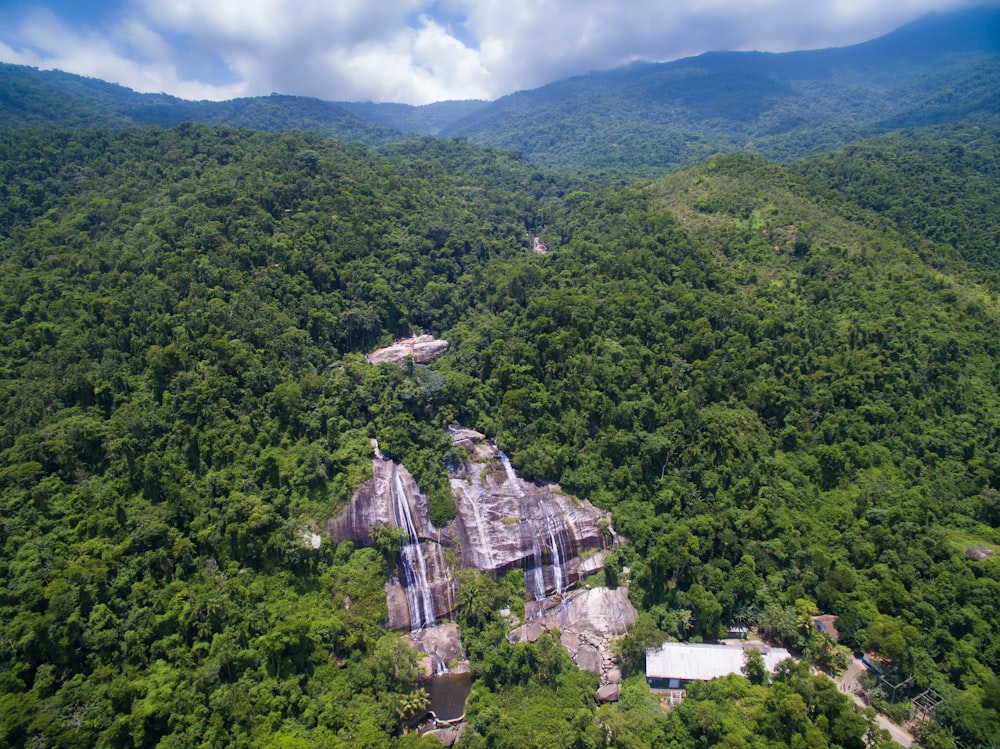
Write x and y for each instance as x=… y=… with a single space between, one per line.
x=505 y=522
x=375 y=503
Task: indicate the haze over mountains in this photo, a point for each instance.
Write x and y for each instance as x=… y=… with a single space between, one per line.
x=943 y=68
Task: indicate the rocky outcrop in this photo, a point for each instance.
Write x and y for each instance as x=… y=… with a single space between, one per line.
x=588 y=622
x=978 y=553
x=503 y=523
x=421 y=590
x=609 y=693
x=442 y=649
x=447 y=736
x=507 y=523
x=422 y=349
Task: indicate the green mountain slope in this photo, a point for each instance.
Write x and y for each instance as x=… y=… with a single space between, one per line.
x=783 y=405
x=787 y=398
x=941 y=183
x=776 y=105
x=30 y=97
x=645 y=117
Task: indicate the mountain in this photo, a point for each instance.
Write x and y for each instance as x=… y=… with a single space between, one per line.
x=653 y=116
x=30 y=97
x=745 y=391
x=939 y=69
x=428 y=119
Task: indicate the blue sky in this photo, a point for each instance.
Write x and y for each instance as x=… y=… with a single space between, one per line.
x=413 y=51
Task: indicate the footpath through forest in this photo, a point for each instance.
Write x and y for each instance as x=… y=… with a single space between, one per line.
x=850 y=683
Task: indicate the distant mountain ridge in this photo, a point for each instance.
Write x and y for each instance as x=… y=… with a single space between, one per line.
x=940 y=69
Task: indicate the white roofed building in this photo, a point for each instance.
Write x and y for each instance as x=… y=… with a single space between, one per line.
x=674 y=664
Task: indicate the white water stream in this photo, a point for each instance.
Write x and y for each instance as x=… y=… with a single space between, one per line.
x=419 y=598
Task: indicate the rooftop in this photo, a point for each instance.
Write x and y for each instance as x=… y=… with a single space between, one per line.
x=690 y=662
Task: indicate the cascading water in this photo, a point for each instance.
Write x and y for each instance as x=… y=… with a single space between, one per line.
x=534 y=577
x=512 y=479
x=558 y=554
x=419 y=598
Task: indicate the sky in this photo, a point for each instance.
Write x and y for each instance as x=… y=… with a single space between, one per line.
x=411 y=51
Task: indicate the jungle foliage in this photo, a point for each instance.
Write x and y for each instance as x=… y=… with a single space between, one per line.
x=787 y=393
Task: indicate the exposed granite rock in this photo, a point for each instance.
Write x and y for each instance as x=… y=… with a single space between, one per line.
x=507 y=523
x=467 y=438
x=442 y=646
x=609 y=693
x=447 y=736
x=503 y=523
x=422 y=348
x=978 y=553
x=442 y=586
x=377 y=503
x=588 y=658
x=588 y=621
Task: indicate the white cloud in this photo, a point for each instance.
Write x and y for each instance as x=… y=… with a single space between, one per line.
x=424 y=50
x=128 y=53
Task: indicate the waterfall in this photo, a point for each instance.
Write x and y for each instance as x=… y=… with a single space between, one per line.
x=534 y=578
x=558 y=555
x=512 y=479
x=419 y=598
x=438 y=666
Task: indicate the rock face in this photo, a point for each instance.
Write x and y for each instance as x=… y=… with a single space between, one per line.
x=422 y=589
x=609 y=693
x=978 y=553
x=507 y=523
x=503 y=523
x=423 y=349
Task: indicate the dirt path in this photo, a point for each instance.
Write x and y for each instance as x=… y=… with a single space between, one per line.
x=850 y=683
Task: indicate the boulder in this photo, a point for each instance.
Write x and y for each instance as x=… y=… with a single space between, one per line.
x=533 y=631
x=422 y=349
x=570 y=641
x=588 y=658
x=443 y=645
x=600 y=612
x=978 y=553
x=609 y=693
x=447 y=736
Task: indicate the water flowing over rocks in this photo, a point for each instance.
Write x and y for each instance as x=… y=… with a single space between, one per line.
x=422 y=589
x=422 y=348
x=503 y=523
x=442 y=648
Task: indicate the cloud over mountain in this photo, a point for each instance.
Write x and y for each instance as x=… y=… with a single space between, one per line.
x=412 y=51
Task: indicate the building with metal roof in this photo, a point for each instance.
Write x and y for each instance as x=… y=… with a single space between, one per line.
x=674 y=664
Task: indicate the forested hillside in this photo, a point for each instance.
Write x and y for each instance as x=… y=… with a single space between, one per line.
x=940 y=69
x=787 y=393
x=645 y=118
x=30 y=97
